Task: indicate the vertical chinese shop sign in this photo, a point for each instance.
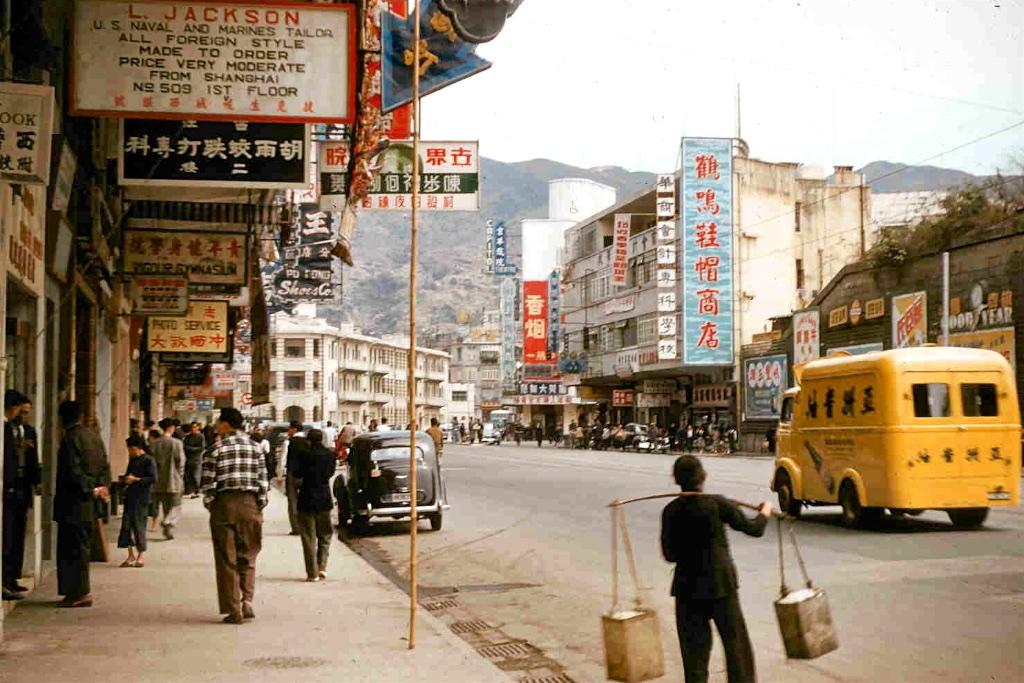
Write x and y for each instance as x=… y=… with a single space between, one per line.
x=707 y=251
x=535 y=323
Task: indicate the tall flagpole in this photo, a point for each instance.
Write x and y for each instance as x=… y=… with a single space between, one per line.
x=411 y=373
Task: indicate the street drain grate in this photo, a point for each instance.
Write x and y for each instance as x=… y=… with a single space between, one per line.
x=559 y=678
x=472 y=626
x=440 y=605
x=285 y=662
x=510 y=650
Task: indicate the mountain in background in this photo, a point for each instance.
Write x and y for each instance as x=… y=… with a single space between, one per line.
x=453 y=290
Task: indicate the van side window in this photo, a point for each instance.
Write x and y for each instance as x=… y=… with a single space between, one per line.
x=931 y=400
x=979 y=400
x=786 y=414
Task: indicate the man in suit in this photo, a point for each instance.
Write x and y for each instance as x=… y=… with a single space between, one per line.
x=169 y=454
x=194 y=444
x=21 y=476
x=82 y=474
x=704 y=583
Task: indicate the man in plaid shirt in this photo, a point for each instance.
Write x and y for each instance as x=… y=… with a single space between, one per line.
x=234 y=488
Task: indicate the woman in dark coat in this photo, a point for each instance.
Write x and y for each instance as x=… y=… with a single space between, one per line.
x=137 y=479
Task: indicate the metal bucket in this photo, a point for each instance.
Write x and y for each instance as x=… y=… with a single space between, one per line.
x=632 y=645
x=806 y=623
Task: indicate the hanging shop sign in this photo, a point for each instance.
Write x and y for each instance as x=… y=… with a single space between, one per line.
x=314 y=251
x=159 y=295
x=909 y=320
x=658 y=386
x=333 y=159
x=549 y=400
x=665 y=201
x=854 y=349
x=507 y=307
x=188 y=375
x=1000 y=340
x=202 y=330
x=255 y=155
x=712 y=396
x=622 y=398
x=874 y=308
x=554 y=313
x=498 y=240
x=535 y=323
x=623 y=304
x=620 y=249
x=23 y=235
x=707 y=251
x=204 y=257
x=26 y=123
x=214 y=60
x=541 y=388
x=767 y=379
x=260 y=348
x=185 y=406
x=223 y=381
x=449 y=178
x=993 y=309
x=644 y=400
x=838 y=317
x=806 y=336
x=64 y=180
x=204 y=404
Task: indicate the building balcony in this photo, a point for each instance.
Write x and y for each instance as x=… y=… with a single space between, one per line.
x=379 y=367
x=433 y=401
x=353 y=396
x=357 y=364
x=380 y=397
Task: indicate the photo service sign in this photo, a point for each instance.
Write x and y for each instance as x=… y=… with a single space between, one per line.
x=253 y=155
x=706 y=243
x=202 y=330
x=272 y=61
x=449 y=178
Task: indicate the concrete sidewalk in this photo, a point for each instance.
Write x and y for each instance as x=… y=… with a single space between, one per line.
x=160 y=623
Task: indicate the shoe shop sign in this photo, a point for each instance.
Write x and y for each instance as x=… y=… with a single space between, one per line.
x=214 y=60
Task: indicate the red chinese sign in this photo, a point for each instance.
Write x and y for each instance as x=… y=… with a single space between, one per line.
x=535 y=323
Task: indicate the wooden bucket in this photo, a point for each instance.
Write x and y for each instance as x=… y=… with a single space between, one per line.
x=632 y=646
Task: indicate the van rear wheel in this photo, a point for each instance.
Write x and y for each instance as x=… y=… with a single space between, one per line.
x=854 y=514
x=967 y=518
x=784 y=490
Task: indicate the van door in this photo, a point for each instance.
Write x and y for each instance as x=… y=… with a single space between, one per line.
x=987 y=429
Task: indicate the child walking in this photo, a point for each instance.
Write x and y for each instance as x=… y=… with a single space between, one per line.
x=138 y=479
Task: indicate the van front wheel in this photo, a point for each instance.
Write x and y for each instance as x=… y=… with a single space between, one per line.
x=784 y=489
x=967 y=518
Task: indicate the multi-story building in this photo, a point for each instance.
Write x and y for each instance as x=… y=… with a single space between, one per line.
x=478 y=362
x=320 y=372
x=461 y=402
x=794 y=229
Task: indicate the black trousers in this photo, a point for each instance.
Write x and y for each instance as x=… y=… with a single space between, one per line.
x=192 y=474
x=14 y=524
x=74 y=549
x=693 y=623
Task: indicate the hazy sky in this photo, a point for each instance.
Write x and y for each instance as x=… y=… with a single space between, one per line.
x=595 y=83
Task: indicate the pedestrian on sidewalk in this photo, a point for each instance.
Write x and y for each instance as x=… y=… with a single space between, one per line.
x=296 y=450
x=20 y=483
x=138 y=480
x=704 y=584
x=194 y=444
x=315 y=503
x=348 y=432
x=234 y=488
x=82 y=474
x=435 y=433
x=169 y=454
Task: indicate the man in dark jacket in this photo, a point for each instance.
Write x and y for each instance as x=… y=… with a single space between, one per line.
x=705 y=584
x=21 y=478
x=194 y=444
x=82 y=474
x=296 y=450
x=314 y=503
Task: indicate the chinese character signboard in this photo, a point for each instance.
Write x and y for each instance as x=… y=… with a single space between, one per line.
x=499 y=250
x=535 y=323
x=26 y=122
x=806 y=336
x=449 y=178
x=999 y=340
x=554 y=314
x=206 y=258
x=214 y=60
x=665 y=200
x=874 y=308
x=838 y=316
x=909 y=320
x=620 y=249
x=159 y=295
x=622 y=398
x=333 y=161
x=767 y=378
x=706 y=242
x=507 y=306
x=541 y=388
x=644 y=400
x=260 y=349
x=24 y=233
x=306 y=272
x=202 y=333
x=213 y=154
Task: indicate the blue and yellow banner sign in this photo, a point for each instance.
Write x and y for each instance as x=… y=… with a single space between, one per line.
x=706 y=246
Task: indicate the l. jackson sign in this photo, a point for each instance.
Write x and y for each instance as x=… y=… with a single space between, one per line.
x=214 y=60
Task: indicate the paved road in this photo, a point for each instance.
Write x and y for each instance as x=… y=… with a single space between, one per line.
x=526 y=545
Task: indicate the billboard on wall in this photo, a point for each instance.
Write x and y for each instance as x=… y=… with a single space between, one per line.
x=1000 y=340
x=214 y=60
x=535 y=323
x=806 y=336
x=241 y=154
x=449 y=178
x=706 y=244
x=909 y=320
x=766 y=380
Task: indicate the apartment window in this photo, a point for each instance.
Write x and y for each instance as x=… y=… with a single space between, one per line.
x=273 y=381
x=316 y=381
x=294 y=348
x=294 y=381
x=629 y=333
x=799 y=273
x=797 y=210
x=608 y=337
x=642 y=270
x=316 y=348
x=647 y=329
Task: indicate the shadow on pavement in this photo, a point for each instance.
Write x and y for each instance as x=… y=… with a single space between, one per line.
x=888 y=525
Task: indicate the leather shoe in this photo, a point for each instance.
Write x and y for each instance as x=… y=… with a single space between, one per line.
x=17 y=588
x=11 y=595
x=84 y=601
x=232 y=619
x=247 y=612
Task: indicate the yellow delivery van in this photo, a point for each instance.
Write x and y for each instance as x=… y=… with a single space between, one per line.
x=905 y=430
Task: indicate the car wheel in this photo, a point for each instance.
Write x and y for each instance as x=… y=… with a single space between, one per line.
x=967 y=518
x=436 y=520
x=784 y=489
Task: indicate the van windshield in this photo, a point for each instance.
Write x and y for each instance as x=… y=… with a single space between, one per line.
x=979 y=400
x=931 y=400
x=786 y=415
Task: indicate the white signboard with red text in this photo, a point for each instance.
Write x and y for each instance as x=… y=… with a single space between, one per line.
x=620 y=249
x=806 y=336
x=449 y=178
x=273 y=61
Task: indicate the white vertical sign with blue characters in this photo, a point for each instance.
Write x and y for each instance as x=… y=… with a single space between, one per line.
x=707 y=251
x=554 y=312
x=499 y=250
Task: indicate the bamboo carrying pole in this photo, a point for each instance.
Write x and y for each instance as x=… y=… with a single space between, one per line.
x=749 y=506
x=411 y=373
